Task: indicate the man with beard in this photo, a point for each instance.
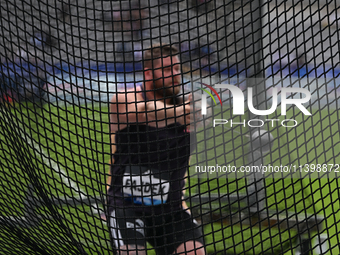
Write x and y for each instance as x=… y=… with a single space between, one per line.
x=151 y=158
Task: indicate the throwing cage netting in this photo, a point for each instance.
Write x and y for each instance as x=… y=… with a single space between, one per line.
x=62 y=61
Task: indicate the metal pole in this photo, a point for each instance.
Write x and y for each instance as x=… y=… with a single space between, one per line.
x=255 y=80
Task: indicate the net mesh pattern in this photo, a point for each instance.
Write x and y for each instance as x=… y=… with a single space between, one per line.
x=63 y=61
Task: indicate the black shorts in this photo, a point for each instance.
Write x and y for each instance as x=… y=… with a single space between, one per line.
x=164 y=232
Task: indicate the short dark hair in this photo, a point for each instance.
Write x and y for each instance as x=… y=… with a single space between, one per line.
x=156 y=52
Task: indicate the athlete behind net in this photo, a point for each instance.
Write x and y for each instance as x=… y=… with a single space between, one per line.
x=152 y=138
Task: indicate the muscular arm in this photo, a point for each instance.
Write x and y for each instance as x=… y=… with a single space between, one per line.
x=130 y=107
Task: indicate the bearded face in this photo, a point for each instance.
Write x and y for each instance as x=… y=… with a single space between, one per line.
x=167 y=77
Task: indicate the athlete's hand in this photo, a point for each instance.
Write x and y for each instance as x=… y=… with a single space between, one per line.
x=183 y=112
x=160 y=114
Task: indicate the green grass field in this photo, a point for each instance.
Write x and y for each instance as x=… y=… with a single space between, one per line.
x=315 y=140
x=69 y=150
x=66 y=150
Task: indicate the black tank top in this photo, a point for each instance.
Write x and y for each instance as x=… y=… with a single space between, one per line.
x=142 y=151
